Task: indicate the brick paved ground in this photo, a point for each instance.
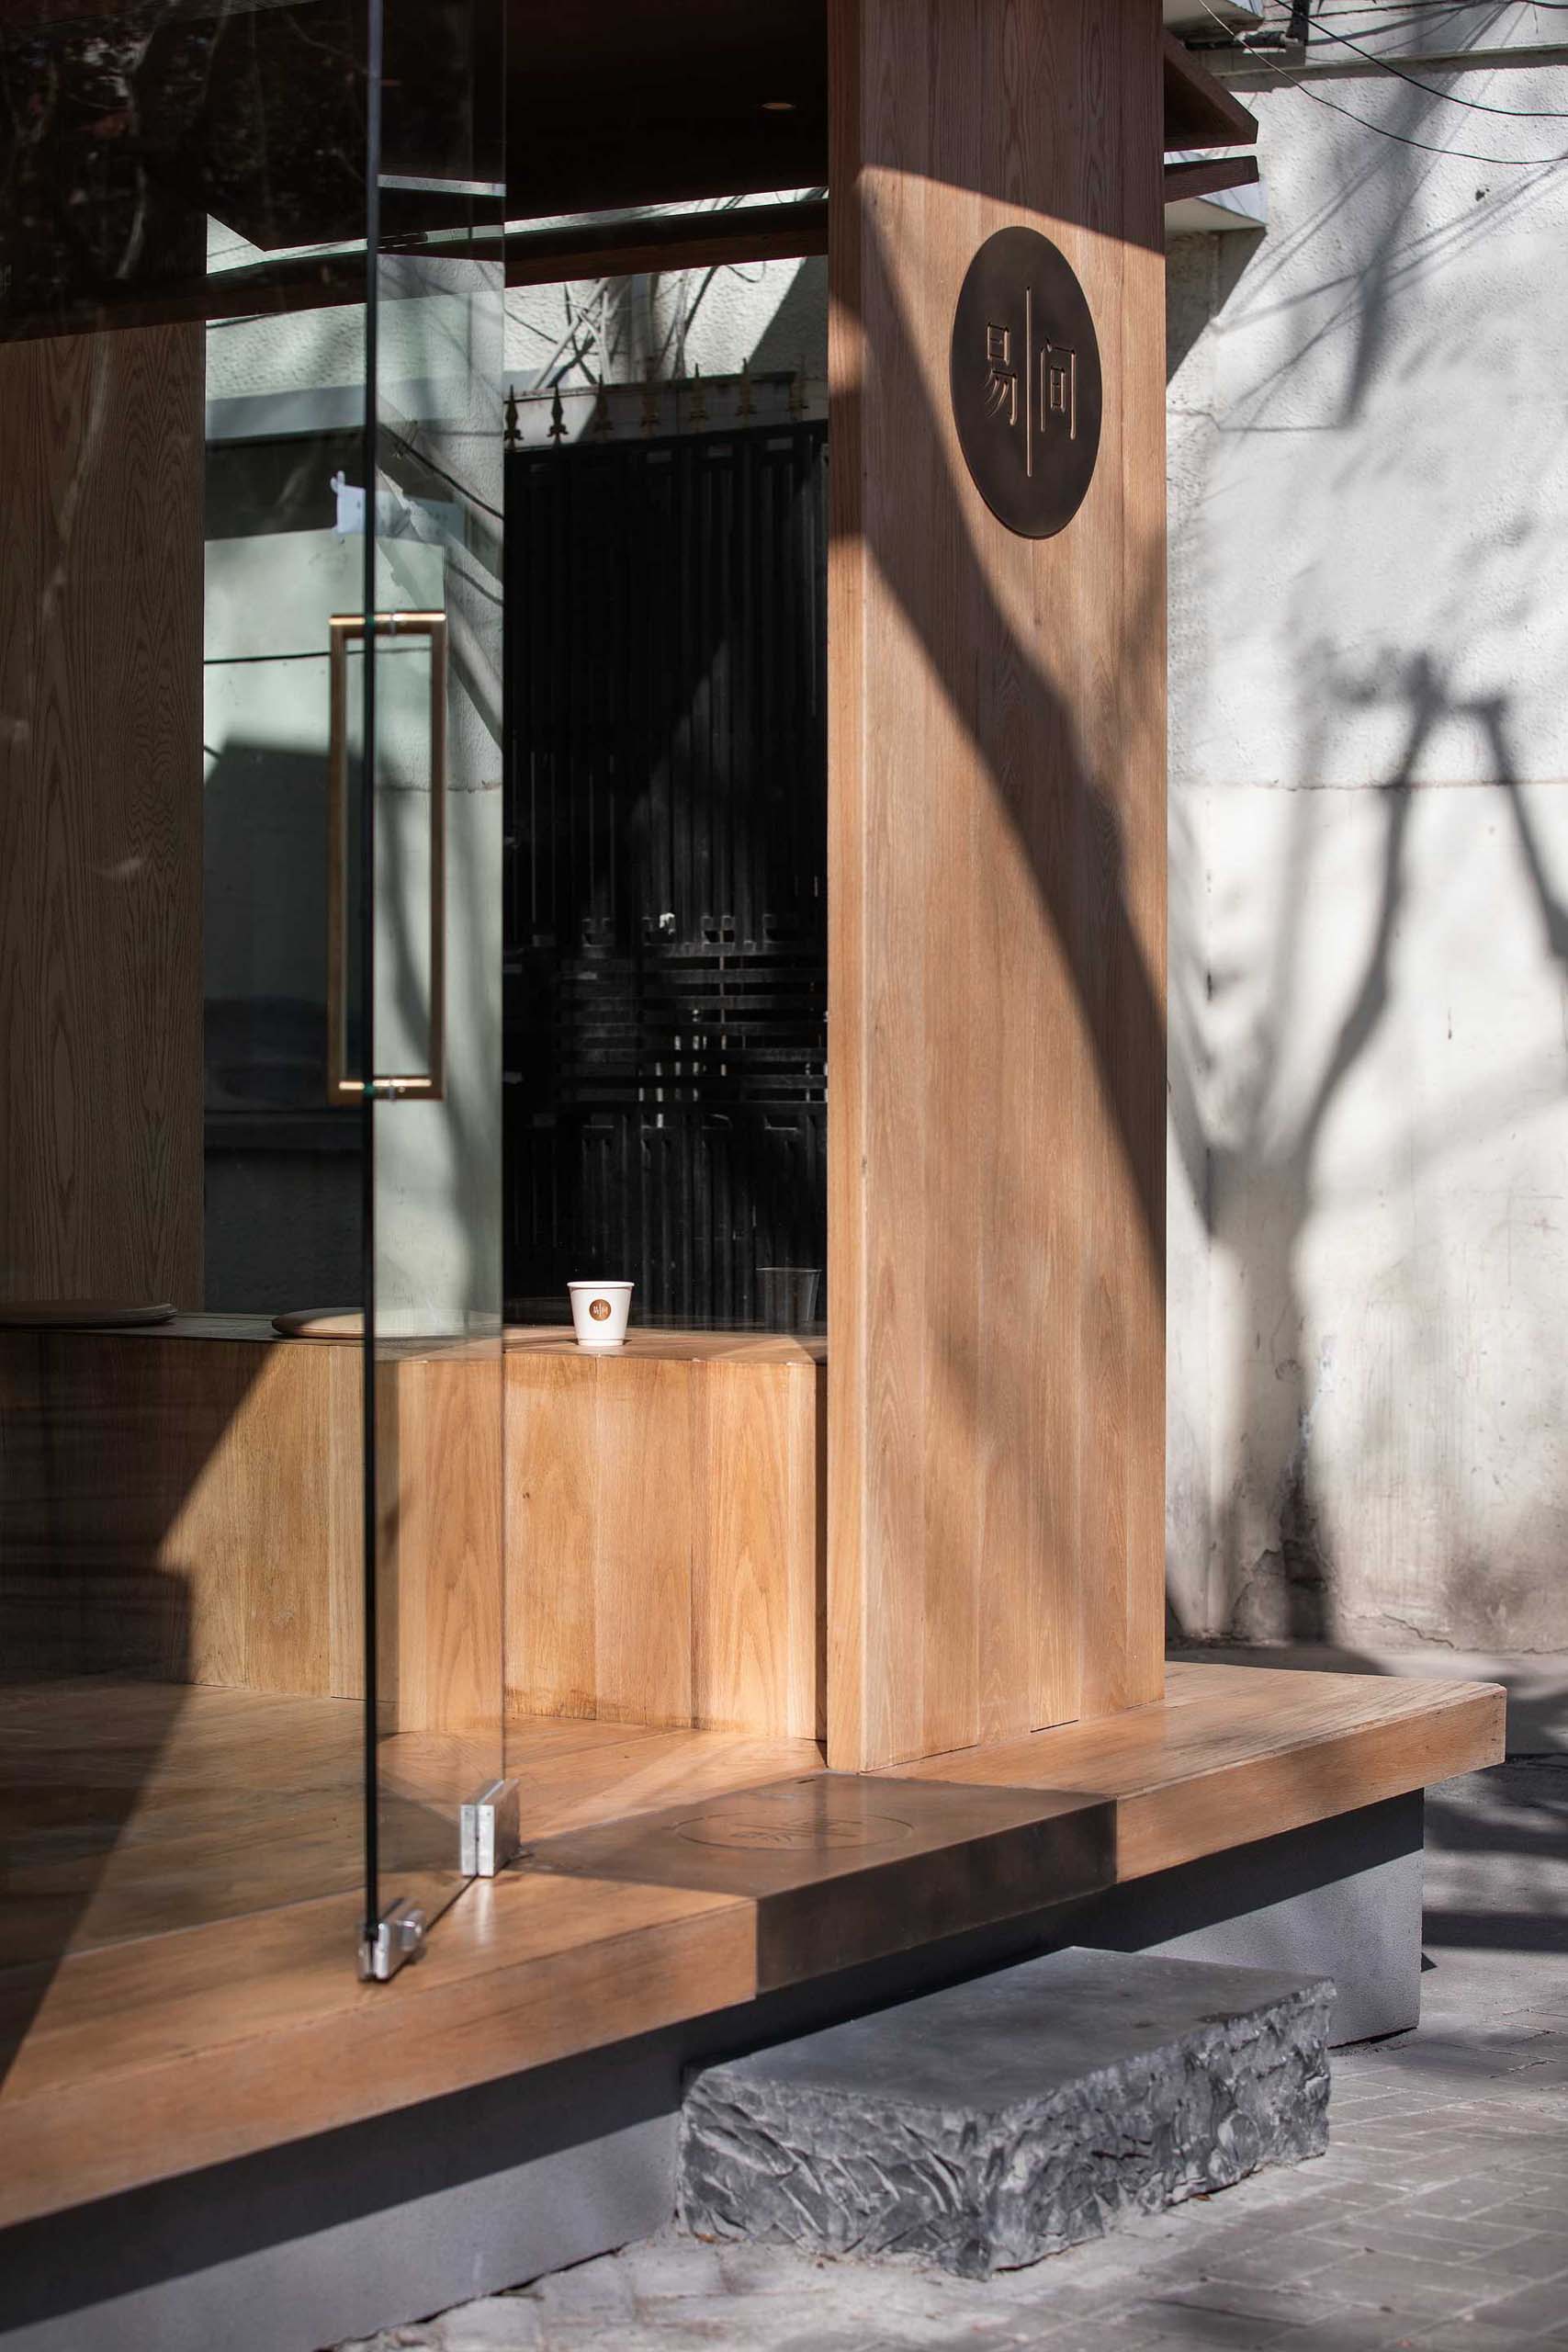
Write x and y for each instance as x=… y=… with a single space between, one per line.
x=1439 y=2220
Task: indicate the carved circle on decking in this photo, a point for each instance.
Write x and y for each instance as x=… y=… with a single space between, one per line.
x=1025 y=381
x=820 y=1816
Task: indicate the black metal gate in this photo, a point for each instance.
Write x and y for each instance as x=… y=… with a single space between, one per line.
x=666 y=952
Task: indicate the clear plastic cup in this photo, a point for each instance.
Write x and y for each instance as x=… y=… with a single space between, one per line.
x=787 y=1296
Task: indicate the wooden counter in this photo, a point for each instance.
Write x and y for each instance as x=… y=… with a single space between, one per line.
x=184 y=1503
x=665 y=1545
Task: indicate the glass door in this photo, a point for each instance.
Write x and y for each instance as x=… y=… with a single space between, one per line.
x=182 y=412
x=251 y=442
x=419 y=1021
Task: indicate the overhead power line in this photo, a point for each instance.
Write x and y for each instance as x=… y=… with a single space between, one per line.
x=1400 y=138
x=1450 y=98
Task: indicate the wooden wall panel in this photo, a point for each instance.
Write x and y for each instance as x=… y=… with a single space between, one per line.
x=101 y=468
x=664 y=1535
x=187 y=1509
x=756 y=1593
x=439 y=1596
x=184 y=1505
x=177 y=1509
x=599 y=1537
x=997 y=894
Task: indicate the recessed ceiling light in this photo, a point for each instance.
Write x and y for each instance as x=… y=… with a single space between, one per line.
x=778 y=106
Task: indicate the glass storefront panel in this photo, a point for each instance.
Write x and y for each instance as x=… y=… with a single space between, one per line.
x=209 y=924
x=433 y=579
x=666 y=1103
x=666 y=1025
x=180 y=1545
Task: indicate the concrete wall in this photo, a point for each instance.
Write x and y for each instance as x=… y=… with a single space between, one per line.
x=768 y=313
x=1369 y=1277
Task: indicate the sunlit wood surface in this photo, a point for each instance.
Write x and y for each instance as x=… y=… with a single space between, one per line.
x=184 y=1505
x=232 y=1818
x=997 y=905
x=128 y=1808
x=664 y=1530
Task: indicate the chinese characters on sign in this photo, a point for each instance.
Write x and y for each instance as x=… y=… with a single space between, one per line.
x=1050 y=379
x=1025 y=381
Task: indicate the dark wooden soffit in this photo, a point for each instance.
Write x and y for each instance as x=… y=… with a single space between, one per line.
x=1199 y=109
x=633 y=104
x=1209 y=176
x=676 y=241
x=689 y=100
x=709 y=98
x=534 y=257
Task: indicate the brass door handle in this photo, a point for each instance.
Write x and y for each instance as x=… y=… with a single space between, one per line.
x=429 y=1084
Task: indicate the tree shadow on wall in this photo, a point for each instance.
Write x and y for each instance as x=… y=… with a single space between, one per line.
x=1262 y=1188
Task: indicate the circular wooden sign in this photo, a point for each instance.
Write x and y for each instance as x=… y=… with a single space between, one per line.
x=1024 y=373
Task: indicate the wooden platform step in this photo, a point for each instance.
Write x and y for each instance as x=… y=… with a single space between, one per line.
x=148 y=2058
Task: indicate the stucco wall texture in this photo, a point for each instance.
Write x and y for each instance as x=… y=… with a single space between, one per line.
x=1368 y=973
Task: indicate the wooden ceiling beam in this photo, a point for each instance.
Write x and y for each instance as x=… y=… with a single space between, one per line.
x=674 y=240
x=1210 y=176
x=1199 y=109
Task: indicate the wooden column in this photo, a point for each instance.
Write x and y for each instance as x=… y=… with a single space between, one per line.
x=997 y=863
x=101 y=462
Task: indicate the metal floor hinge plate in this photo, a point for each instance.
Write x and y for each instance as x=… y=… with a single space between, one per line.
x=489 y=1836
x=399 y=1934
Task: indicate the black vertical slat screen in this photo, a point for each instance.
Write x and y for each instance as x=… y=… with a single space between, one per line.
x=666 y=949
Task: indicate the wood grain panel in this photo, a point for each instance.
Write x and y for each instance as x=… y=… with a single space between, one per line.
x=847 y=1867
x=172 y=1508
x=1209 y=176
x=609 y=1771
x=755 y=1600
x=129 y=1809
x=245 y=2034
x=440 y=1593
x=1199 y=111
x=599 y=1537
x=188 y=1505
x=157 y=2054
x=101 y=471
x=185 y=1503
x=664 y=1536
x=997 y=952
x=1233 y=1754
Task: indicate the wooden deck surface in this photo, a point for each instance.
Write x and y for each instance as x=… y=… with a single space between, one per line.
x=132 y=2054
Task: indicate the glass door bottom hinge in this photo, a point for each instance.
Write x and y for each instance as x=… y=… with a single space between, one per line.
x=489 y=1835
x=399 y=1934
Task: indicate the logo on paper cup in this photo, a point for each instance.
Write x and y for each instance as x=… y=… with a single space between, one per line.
x=600 y=1309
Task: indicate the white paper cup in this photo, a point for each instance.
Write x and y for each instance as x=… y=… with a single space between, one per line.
x=599 y=1311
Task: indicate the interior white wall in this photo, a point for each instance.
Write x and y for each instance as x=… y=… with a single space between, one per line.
x=1369 y=1053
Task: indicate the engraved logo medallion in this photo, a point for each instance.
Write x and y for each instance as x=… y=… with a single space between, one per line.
x=1024 y=375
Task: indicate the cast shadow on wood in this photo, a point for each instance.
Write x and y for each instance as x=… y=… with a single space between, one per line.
x=1025 y=1114
x=101 y=1443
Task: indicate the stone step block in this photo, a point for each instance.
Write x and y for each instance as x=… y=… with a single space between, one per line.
x=987 y=2125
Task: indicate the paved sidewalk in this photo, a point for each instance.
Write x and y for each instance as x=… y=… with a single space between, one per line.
x=1439 y=2220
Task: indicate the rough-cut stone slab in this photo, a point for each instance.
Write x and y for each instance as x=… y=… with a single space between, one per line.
x=989 y=2124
